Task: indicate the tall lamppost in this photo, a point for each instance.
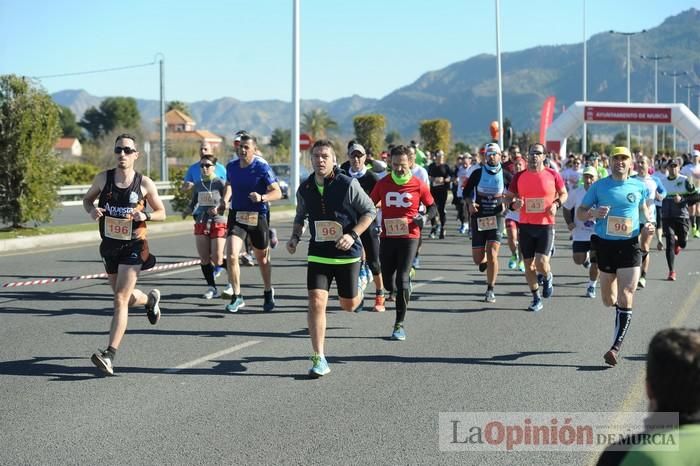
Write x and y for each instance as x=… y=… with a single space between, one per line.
x=498 y=72
x=629 y=68
x=655 y=59
x=584 y=139
x=674 y=75
x=689 y=87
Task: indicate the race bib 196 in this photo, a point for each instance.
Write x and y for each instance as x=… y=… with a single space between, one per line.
x=396 y=226
x=619 y=226
x=206 y=199
x=328 y=230
x=118 y=228
x=247 y=218
x=534 y=205
x=486 y=223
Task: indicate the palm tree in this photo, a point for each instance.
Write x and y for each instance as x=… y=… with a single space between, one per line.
x=178 y=105
x=317 y=123
x=281 y=138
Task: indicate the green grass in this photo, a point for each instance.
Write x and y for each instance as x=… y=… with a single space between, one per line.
x=12 y=233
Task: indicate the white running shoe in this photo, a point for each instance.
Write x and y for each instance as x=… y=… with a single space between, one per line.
x=212 y=293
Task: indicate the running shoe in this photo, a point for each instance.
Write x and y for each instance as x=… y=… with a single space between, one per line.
x=696 y=233
x=463 y=229
x=319 y=366
x=590 y=292
x=540 y=279
x=363 y=279
x=642 y=282
x=399 y=334
x=379 y=304
x=611 y=357
x=390 y=298
x=273 y=238
x=586 y=264
x=548 y=286
x=235 y=304
x=490 y=297
x=416 y=262
x=218 y=271
x=483 y=266
x=152 y=308
x=269 y=303
x=521 y=266
x=433 y=232
x=103 y=362
x=513 y=262
x=536 y=305
x=677 y=249
x=228 y=292
x=360 y=307
x=247 y=259
x=671 y=276
x=212 y=293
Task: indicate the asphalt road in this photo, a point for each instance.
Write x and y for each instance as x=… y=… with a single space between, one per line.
x=208 y=387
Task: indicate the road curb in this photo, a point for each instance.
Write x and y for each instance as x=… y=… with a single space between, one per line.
x=57 y=240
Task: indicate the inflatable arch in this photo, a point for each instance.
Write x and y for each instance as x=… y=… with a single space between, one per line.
x=677 y=115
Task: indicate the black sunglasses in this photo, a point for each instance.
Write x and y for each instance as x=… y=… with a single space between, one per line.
x=127 y=150
x=205 y=165
x=535 y=152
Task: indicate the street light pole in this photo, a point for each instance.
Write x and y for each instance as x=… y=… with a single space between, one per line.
x=500 y=81
x=674 y=75
x=584 y=139
x=689 y=87
x=656 y=59
x=629 y=70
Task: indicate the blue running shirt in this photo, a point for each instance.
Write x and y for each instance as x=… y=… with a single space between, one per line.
x=256 y=177
x=624 y=199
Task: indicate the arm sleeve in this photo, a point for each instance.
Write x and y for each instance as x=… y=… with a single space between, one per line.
x=301 y=212
x=360 y=201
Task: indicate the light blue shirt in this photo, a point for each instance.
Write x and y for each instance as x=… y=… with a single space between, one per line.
x=624 y=199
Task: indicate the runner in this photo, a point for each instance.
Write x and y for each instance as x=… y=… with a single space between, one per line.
x=680 y=192
x=618 y=204
x=250 y=185
x=692 y=171
x=422 y=174
x=484 y=194
x=656 y=192
x=458 y=183
x=440 y=176
x=122 y=195
x=207 y=207
x=512 y=222
x=400 y=196
x=338 y=212
x=370 y=237
x=538 y=193
x=581 y=231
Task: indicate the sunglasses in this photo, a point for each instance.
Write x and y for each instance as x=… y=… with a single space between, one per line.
x=205 y=165
x=491 y=153
x=127 y=150
x=357 y=155
x=535 y=152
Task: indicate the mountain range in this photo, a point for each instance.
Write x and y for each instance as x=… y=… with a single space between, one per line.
x=465 y=92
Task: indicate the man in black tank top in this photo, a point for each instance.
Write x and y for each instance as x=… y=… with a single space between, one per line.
x=123 y=195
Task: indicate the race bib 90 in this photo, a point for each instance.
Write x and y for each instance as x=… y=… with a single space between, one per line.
x=619 y=226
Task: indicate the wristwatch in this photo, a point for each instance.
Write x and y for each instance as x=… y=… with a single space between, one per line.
x=353 y=234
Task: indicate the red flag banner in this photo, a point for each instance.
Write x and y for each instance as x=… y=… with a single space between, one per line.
x=546 y=116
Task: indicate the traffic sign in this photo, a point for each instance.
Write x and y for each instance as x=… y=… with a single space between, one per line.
x=304 y=141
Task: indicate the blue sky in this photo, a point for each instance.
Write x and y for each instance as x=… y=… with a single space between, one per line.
x=242 y=48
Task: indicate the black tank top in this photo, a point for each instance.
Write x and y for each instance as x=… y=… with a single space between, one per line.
x=120 y=205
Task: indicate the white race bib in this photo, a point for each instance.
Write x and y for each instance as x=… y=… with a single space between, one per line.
x=118 y=228
x=247 y=218
x=486 y=223
x=396 y=226
x=534 y=205
x=206 y=199
x=328 y=230
x=619 y=226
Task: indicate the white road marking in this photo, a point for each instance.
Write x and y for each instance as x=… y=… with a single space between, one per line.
x=426 y=282
x=211 y=356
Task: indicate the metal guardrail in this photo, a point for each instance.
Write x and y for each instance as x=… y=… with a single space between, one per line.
x=69 y=193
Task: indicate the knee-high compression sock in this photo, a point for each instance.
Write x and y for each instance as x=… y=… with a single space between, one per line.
x=623 y=318
x=402 y=298
x=208 y=272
